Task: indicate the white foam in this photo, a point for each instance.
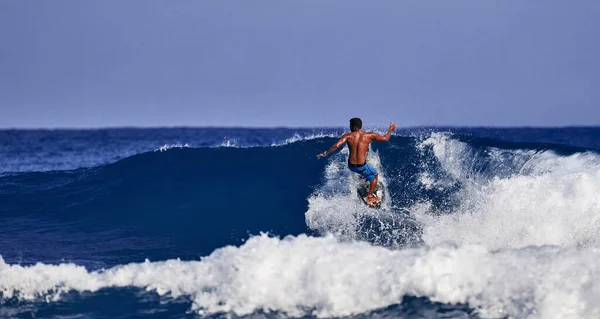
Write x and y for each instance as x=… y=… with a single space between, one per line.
x=297 y=137
x=536 y=198
x=167 y=147
x=324 y=277
x=451 y=153
x=229 y=143
x=429 y=182
x=306 y=137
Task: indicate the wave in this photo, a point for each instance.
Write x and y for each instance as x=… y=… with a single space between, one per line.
x=513 y=198
x=196 y=199
x=445 y=189
x=507 y=228
x=440 y=188
x=322 y=277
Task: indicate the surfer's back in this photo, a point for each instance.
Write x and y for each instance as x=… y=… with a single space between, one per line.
x=358 y=144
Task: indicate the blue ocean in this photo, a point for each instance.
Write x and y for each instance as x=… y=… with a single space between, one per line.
x=248 y=223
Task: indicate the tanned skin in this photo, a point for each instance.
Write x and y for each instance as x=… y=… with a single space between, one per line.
x=358 y=143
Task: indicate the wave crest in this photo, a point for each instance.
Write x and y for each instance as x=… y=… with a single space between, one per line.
x=513 y=198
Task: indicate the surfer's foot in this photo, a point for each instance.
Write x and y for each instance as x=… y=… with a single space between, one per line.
x=372 y=199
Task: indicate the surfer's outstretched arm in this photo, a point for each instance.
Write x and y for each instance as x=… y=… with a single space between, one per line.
x=386 y=137
x=335 y=146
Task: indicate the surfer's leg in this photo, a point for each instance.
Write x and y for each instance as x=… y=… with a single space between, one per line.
x=370 y=173
x=372 y=185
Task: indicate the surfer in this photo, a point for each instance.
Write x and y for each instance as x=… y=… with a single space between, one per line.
x=358 y=143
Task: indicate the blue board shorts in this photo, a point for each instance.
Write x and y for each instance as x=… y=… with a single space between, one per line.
x=367 y=171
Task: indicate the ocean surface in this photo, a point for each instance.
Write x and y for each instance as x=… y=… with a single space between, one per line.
x=248 y=223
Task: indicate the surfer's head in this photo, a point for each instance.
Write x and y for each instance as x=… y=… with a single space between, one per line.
x=355 y=124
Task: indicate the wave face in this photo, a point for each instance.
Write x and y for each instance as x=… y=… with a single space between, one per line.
x=232 y=222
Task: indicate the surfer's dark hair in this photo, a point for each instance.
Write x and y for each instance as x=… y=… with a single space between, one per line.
x=355 y=124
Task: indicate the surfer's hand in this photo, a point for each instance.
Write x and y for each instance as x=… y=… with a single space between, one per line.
x=322 y=155
x=392 y=126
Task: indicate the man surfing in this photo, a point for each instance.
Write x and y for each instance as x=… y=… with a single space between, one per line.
x=358 y=143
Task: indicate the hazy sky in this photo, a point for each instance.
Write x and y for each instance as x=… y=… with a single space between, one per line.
x=298 y=63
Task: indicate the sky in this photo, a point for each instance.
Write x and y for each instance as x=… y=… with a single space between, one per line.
x=310 y=63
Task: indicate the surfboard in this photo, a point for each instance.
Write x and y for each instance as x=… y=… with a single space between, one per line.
x=363 y=189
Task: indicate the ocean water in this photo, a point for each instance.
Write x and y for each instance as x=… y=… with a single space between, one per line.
x=248 y=223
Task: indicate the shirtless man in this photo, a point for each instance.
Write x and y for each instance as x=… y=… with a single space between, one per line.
x=358 y=144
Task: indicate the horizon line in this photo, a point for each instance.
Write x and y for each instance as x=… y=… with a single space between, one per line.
x=133 y=127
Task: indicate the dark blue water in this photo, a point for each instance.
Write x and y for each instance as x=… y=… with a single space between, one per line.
x=215 y=222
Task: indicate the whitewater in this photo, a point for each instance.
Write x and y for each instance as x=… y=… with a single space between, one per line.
x=484 y=223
